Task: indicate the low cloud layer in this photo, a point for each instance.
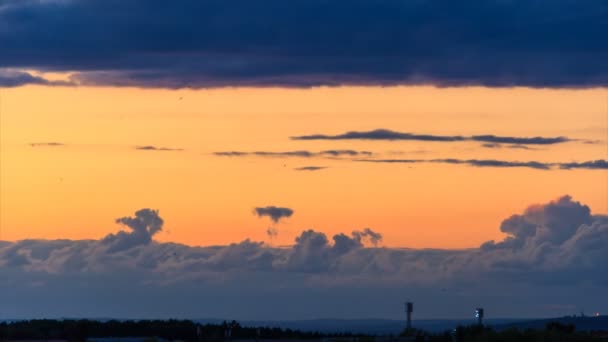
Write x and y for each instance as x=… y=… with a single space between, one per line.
x=385 y=134
x=276 y=214
x=300 y=153
x=589 y=165
x=306 y=43
x=553 y=256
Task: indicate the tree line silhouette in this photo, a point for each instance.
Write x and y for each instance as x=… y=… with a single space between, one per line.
x=185 y=330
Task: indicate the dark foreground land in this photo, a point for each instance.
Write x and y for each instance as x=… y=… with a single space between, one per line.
x=184 y=330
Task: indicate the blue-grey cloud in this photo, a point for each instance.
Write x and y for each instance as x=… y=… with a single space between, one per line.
x=300 y=153
x=552 y=253
x=519 y=140
x=498 y=145
x=594 y=164
x=274 y=213
x=309 y=43
x=155 y=148
x=495 y=163
x=310 y=168
x=385 y=134
x=590 y=165
x=143 y=226
x=16 y=78
x=380 y=134
x=470 y=162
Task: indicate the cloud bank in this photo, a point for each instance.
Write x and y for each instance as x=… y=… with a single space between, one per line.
x=553 y=256
x=307 y=43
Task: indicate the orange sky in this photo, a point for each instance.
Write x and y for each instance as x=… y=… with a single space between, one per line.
x=77 y=190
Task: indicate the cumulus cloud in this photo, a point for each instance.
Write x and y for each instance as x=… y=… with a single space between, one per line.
x=155 y=148
x=300 y=153
x=143 y=226
x=374 y=237
x=274 y=213
x=553 y=253
x=590 y=165
x=385 y=134
x=309 y=43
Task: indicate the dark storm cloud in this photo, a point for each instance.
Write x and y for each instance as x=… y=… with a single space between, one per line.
x=590 y=165
x=303 y=43
x=310 y=168
x=274 y=213
x=551 y=251
x=301 y=153
x=385 y=134
x=154 y=148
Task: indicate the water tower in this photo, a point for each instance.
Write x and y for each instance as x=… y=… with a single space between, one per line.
x=479 y=315
x=409 y=308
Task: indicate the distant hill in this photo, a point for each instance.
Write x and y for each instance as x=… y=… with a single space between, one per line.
x=363 y=326
x=591 y=323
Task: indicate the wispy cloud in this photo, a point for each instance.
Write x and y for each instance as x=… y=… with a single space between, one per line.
x=385 y=134
x=519 y=140
x=591 y=165
x=155 y=148
x=310 y=168
x=380 y=134
x=497 y=145
x=47 y=144
x=300 y=153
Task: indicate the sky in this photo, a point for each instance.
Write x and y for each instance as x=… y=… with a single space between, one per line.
x=180 y=160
